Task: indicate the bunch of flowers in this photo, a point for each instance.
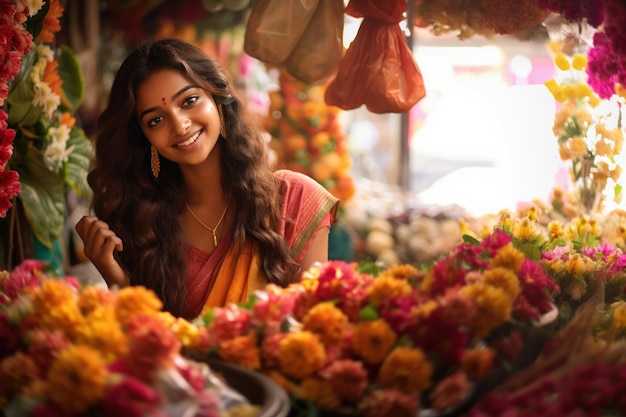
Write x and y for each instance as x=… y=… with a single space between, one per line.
x=71 y=351
x=576 y=255
x=51 y=153
x=589 y=133
x=478 y=18
x=307 y=136
x=607 y=56
x=388 y=342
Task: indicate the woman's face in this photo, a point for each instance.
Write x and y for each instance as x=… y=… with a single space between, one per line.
x=179 y=119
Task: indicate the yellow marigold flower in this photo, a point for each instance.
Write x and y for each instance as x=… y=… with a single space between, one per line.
x=136 y=300
x=477 y=363
x=301 y=354
x=493 y=307
x=320 y=392
x=52 y=292
x=555 y=229
x=525 y=230
x=504 y=279
x=561 y=61
x=384 y=287
x=327 y=321
x=187 y=333
x=65 y=317
x=242 y=351
x=619 y=314
x=579 y=61
x=372 y=340
x=402 y=272
x=76 y=378
x=509 y=257
x=103 y=332
x=406 y=370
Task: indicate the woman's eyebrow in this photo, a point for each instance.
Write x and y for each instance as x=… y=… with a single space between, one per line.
x=174 y=97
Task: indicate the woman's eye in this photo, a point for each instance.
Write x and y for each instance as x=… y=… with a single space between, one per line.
x=154 y=121
x=190 y=100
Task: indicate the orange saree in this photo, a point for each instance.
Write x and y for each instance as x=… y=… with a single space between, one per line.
x=225 y=276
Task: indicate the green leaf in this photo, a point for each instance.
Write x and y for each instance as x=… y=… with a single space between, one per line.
x=369 y=313
x=471 y=240
x=21 y=110
x=78 y=161
x=43 y=196
x=34 y=24
x=72 y=77
x=530 y=250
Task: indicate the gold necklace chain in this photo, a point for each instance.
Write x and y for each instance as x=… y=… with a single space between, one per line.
x=213 y=230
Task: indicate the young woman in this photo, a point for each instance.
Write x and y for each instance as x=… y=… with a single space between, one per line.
x=186 y=202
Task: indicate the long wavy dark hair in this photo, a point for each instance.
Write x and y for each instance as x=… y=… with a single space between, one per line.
x=146 y=212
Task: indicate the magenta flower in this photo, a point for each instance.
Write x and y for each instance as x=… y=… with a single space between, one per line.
x=23 y=276
x=130 y=398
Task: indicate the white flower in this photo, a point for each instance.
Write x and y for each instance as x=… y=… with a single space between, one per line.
x=45 y=98
x=56 y=154
x=45 y=53
x=33 y=6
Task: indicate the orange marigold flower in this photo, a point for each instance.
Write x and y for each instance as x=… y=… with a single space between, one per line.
x=103 y=332
x=16 y=372
x=135 y=300
x=52 y=292
x=320 y=392
x=406 y=370
x=51 y=23
x=65 y=317
x=502 y=278
x=51 y=77
x=68 y=120
x=372 y=340
x=403 y=272
x=509 y=257
x=477 y=363
x=93 y=297
x=386 y=286
x=241 y=350
x=449 y=392
x=282 y=381
x=77 y=379
x=301 y=354
x=327 y=321
x=493 y=307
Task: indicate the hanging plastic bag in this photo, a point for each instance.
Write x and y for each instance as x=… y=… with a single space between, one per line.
x=275 y=27
x=378 y=69
x=318 y=53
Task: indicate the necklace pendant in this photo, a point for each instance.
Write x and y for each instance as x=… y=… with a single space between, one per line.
x=214 y=239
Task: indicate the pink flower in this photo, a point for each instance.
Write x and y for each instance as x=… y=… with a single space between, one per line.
x=389 y=403
x=44 y=345
x=25 y=275
x=230 y=322
x=348 y=378
x=273 y=309
x=270 y=348
x=130 y=398
x=192 y=373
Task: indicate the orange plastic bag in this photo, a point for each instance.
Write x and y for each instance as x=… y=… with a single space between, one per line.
x=378 y=69
x=275 y=27
x=320 y=49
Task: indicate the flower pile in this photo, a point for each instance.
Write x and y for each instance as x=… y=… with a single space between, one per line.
x=70 y=351
x=40 y=89
x=307 y=136
x=387 y=342
x=589 y=134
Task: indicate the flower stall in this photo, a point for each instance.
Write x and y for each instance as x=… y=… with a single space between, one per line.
x=517 y=313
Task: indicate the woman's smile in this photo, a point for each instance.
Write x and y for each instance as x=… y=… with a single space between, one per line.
x=189 y=141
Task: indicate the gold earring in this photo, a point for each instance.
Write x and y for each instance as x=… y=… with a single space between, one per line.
x=155 y=162
x=220 y=111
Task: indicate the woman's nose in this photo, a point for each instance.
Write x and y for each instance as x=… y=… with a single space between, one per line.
x=181 y=124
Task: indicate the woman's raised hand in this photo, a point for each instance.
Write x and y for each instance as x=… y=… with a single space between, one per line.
x=100 y=245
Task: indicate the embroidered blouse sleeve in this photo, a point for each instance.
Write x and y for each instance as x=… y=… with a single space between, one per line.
x=307 y=207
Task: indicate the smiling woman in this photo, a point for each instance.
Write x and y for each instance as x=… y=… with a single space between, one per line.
x=185 y=199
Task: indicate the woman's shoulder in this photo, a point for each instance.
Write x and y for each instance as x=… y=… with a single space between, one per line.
x=297 y=179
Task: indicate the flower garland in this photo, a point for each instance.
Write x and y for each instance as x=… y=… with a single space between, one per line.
x=307 y=136
x=478 y=18
x=50 y=152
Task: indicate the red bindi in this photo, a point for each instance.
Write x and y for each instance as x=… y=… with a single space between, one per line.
x=163 y=100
